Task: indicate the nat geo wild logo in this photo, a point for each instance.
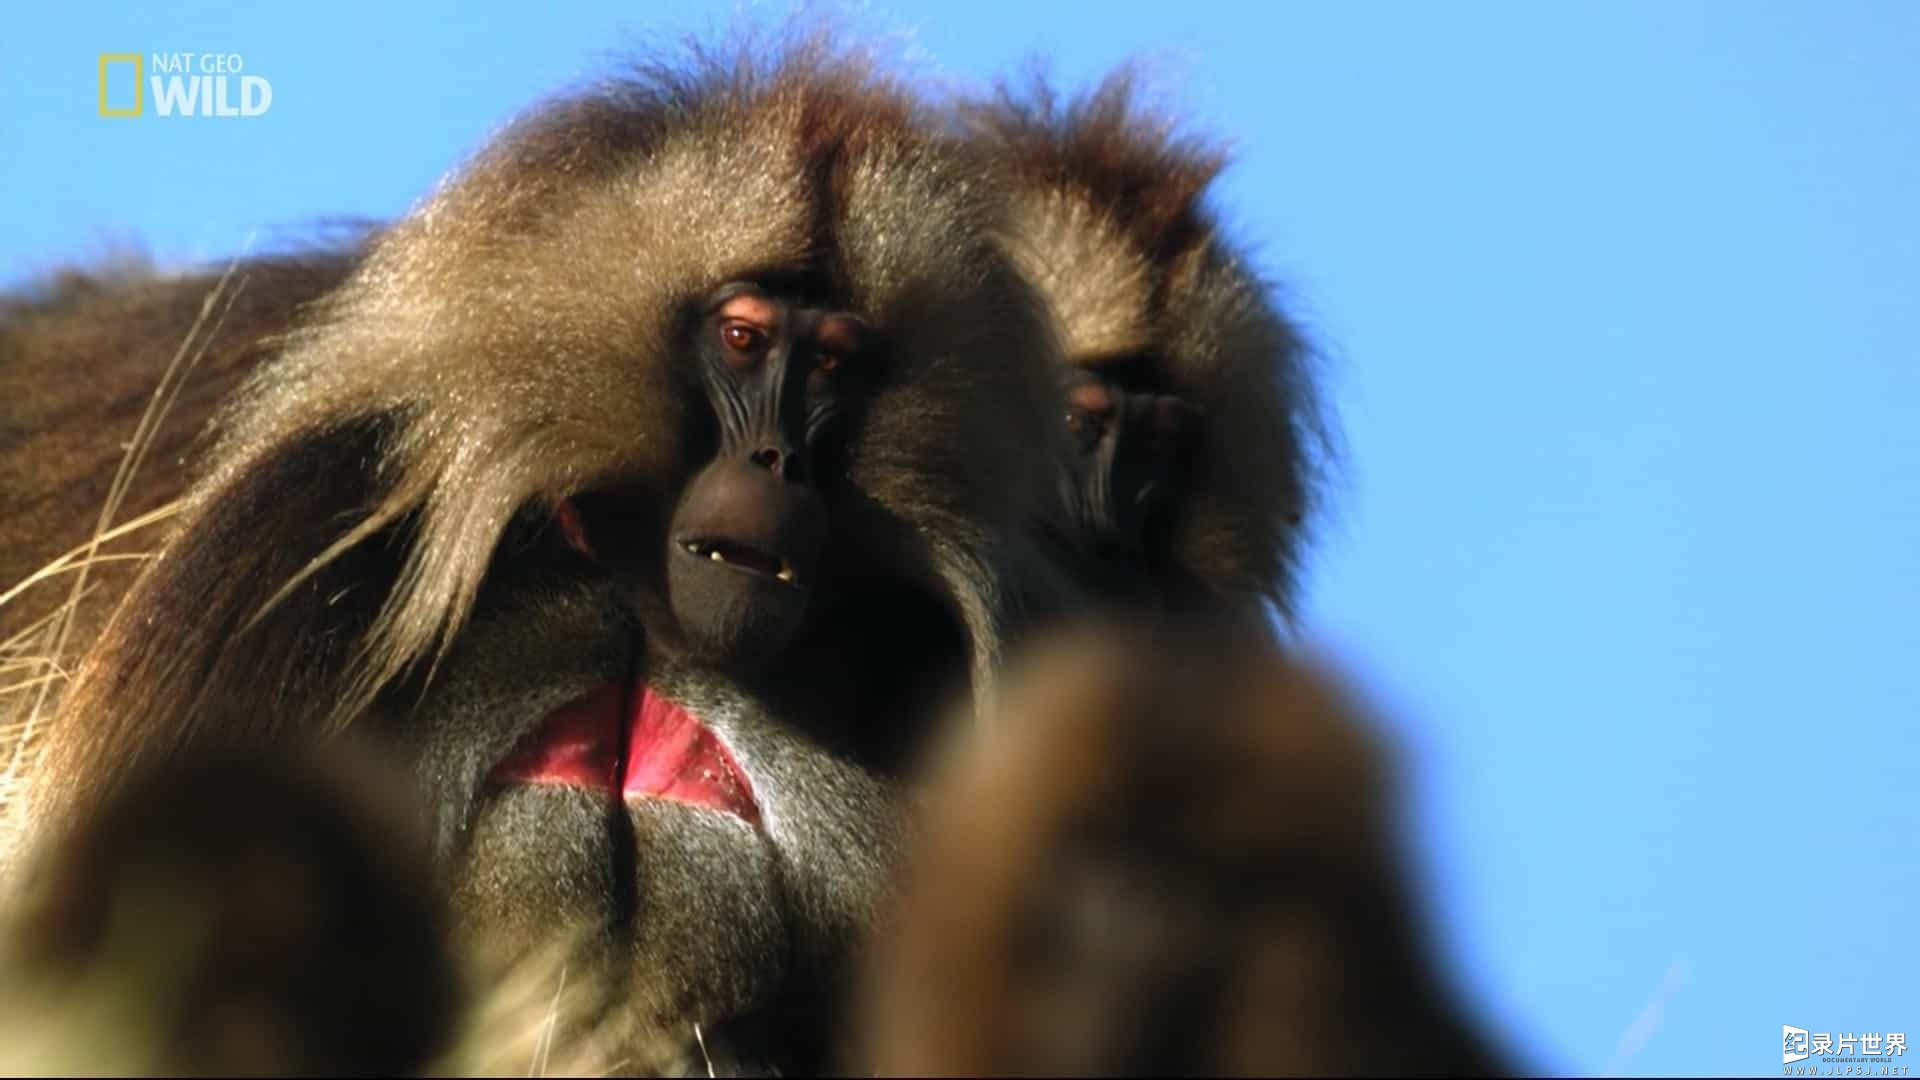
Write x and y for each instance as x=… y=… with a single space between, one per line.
x=174 y=84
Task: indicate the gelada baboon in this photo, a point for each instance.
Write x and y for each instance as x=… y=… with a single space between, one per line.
x=647 y=485
x=1173 y=853
x=642 y=484
x=1196 y=431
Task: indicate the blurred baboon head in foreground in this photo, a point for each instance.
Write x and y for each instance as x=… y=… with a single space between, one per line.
x=256 y=912
x=1172 y=851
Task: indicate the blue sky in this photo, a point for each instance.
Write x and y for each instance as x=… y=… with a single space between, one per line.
x=1619 y=307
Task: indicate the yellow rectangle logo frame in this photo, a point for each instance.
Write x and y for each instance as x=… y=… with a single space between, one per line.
x=121 y=58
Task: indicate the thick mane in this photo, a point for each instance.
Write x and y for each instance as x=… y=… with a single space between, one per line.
x=503 y=347
x=1138 y=170
x=82 y=354
x=112 y=378
x=1111 y=224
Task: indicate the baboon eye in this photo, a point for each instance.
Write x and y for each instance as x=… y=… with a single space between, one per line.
x=743 y=339
x=1085 y=427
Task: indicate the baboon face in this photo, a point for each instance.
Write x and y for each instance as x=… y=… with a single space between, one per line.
x=744 y=544
x=1129 y=449
x=1150 y=295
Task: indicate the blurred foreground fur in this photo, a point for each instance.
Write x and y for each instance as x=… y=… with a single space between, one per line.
x=276 y=912
x=237 y=912
x=1172 y=853
x=269 y=912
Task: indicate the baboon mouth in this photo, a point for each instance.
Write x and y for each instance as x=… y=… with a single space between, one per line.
x=744 y=557
x=635 y=742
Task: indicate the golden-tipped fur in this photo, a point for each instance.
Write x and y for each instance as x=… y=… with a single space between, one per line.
x=81 y=357
x=111 y=379
x=1111 y=224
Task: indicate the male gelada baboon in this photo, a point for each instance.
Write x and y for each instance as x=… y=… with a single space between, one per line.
x=646 y=483
x=647 y=490
x=1172 y=854
x=1196 y=432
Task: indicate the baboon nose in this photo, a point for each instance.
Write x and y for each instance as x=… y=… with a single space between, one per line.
x=770 y=459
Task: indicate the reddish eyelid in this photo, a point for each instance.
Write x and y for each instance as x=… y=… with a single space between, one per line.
x=1093 y=398
x=839 y=336
x=755 y=310
x=574 y=531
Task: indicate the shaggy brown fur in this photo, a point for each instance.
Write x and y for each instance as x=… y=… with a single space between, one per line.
x=1110 y=223
x=81 y=358
x=111 y=379
x=1174 y=854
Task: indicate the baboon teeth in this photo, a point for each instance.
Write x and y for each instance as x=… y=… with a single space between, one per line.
x=744 y=558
